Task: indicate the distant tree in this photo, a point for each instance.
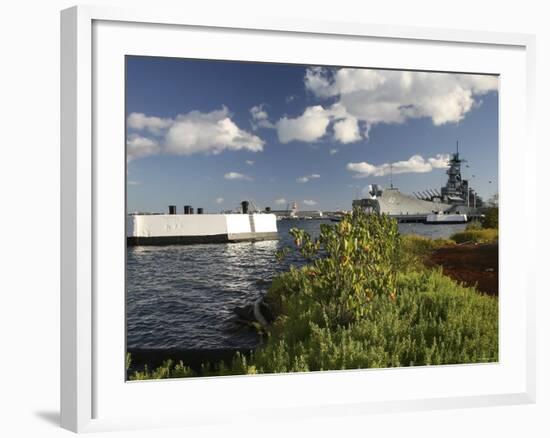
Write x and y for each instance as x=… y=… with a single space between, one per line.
x=490 y=220
x=493 y=201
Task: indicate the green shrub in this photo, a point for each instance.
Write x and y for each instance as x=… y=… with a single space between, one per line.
x=432 y=321
x=474 y=225
x=476 y=236
x=350 y=264
x=421 y=245
x=168 y=370
x=490 y=219
x=415 y=250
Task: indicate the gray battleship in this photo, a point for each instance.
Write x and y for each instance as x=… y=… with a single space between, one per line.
x=456 y=198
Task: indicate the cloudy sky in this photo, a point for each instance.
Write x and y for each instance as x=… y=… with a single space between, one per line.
x=211 y=134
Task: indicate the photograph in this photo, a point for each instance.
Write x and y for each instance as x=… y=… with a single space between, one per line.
x=285 y=218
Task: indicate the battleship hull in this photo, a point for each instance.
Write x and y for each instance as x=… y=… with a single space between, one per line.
x=407 y=208
x=395 y=203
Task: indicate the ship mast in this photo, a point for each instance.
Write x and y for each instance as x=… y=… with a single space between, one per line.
x=456 y=189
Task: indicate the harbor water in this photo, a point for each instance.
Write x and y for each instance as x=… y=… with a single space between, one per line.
x=183 y=296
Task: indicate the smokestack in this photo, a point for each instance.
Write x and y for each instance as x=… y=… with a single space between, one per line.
x=186 y=209
x=191 y=210
x=171 y=209
x=200 y=210
x=244 y=205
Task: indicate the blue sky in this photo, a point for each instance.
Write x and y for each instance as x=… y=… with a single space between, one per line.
x=212 y=133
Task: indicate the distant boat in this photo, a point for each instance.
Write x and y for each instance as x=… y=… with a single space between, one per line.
x=337 y=216
x=443 y=218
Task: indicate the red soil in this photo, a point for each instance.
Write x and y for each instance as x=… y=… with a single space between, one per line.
x=471 y=264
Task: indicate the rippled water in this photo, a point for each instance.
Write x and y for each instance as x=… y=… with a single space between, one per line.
x=182 y=296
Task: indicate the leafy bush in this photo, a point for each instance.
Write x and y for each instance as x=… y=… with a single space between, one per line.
x=432 y=321
x=421 y=245
x=350 y=264
x=490 y=219
x=476 y=236
x=474 y=225
x=168 y=370
x=414 y=250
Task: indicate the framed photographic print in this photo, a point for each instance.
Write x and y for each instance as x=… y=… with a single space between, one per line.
x=261 y=208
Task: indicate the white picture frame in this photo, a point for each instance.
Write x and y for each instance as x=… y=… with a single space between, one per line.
x=93 y=397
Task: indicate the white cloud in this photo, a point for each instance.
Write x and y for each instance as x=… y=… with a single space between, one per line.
x=190 y=133
x=313 y=123
x=260 y=118
x=280 y=201
x=309 y=127
x=249 y=162
x=138 y=146
x=310 y=202
x=209 y=133
x=219 y=200
x=383 y=96
x=317 y=81
x=366 y=97
x=333 y=151
x=133 y=183
x=237 y=176
x=440 y=161
x=347 y=130
x=141 y=122
x=307 y=178
x=415 y=164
